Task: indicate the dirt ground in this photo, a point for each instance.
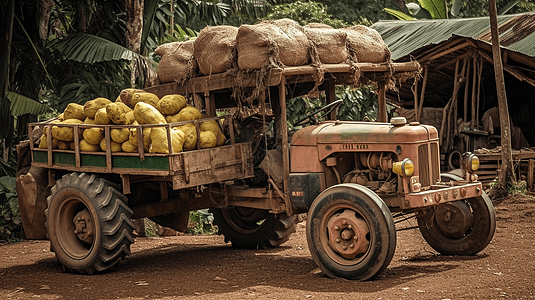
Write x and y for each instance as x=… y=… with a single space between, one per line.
x=203 y=267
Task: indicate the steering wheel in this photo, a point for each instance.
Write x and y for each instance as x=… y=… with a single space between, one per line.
x=312 y=118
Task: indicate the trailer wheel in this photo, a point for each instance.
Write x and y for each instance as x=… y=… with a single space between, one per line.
x=462 y=227
x=253 y=228
x=88 y=223
x=350 y=232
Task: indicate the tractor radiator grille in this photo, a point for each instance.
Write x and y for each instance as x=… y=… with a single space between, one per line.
x=428 y=170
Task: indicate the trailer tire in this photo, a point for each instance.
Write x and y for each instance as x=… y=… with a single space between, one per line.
x=473 y=221
x=88 y=223
x=253 y=228
x=350 y=232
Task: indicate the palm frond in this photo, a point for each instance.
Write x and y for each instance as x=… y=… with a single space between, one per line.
x=21 y=105
x=87 y=48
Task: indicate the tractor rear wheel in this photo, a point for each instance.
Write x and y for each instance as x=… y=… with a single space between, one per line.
x=88 y=223
x=253 y=228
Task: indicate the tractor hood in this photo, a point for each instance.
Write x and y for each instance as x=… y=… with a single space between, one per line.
x=342 y=132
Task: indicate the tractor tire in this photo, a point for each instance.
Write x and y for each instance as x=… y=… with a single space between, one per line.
x=88 y=223
x=350 y=232
x=253 y=228
x=463 y=227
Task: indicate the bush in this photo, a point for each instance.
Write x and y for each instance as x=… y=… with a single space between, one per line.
x=10 y=223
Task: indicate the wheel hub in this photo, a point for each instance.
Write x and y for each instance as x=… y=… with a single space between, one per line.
x=347 y=234
x=454 y=219
x=84 y=227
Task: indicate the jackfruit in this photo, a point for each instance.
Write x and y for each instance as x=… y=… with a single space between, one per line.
x=89 y=121
x=65 y=133
x=101 y=117
x=208 y=139
x=93 y=135
x=74 y=111
x=65 y=145
x=148 y=98
x=43 y=142
x=85 y=146
x=129 y=147
x=190 y=133
x=119 y=135
x=146 y=137
x=126 y=96
x=117 y=113
x=159 y=144
x=147 y=114
x=91 y=107
x=115 y=147
x=171 y=104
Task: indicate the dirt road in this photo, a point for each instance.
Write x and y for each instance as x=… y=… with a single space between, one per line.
x=203 y=267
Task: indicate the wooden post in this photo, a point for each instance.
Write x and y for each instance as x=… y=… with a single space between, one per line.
x=473 y=120
x=507 y=173
x=283 y=130
x=531 y=168
x=414 y=90
x=381 y=108
x=330 y=95
x=422 y=94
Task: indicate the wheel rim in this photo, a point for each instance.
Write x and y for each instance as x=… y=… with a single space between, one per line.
x=345 y=235
x=245 y=220
x=75 y=228
x=455 y=220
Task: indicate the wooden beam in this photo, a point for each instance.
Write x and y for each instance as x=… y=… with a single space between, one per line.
x=438 y=55
x=283 y=129
x=381 y=108
x=422 y=94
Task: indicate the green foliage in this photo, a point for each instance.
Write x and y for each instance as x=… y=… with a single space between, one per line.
x=358 y=104
x=440 y=9
x=200 y=222
x=10 y=222
x=304 y=13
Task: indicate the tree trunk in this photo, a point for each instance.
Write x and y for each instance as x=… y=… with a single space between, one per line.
x=45 y=18
x=134 y=30
x=506 y=174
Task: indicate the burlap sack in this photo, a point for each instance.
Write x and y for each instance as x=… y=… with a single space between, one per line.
x=293 y=44
x=177 y=62
x=366 y=45
x=279 y=43
x=215 y=49
x=330 y=44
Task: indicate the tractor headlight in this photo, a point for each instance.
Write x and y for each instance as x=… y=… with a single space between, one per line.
x=404 y=167
x=470 y=162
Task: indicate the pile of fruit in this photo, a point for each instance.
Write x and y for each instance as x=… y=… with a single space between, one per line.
x=134 y=107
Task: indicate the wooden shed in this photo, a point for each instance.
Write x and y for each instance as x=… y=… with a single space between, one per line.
x=456 y=91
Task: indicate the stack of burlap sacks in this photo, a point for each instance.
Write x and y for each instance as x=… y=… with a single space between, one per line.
x=281 y=43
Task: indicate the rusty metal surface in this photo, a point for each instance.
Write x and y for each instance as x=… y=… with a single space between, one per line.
x=404 y=37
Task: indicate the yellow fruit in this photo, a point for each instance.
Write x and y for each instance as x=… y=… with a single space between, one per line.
x=89 y=121
x=129 y=147
x=115 y=147
x=74 y=111
x=148 y=98
x=146 y=137
x=101 y=117
x=126 y=96
x=159 y=144
x=190 y=133
x=177 y=140
x=65 y=133
x=171 y=104
x=172 y=118
x=117 y=111
x=91 y=107
x=61 y=117
x=210 y=126
x=93 y=135
x=147 y=114
x=44 y=145
x=220 y=139
x=85 y=146
x=208 y=139
x=189 y=113
x=119 y=135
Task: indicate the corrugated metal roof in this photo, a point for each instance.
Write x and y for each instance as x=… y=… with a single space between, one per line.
x=517 y=33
